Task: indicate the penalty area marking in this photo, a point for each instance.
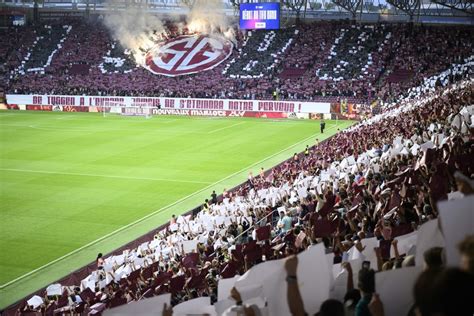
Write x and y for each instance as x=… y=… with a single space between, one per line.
x=156 y=212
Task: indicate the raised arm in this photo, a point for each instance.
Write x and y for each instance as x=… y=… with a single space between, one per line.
x=295 y=301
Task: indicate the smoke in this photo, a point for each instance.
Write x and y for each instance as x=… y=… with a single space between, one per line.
x=139 y=30
x=136 y=29
x=208 y=17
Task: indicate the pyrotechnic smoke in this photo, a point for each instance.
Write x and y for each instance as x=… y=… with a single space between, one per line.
x=208 y=17
x=138 y=30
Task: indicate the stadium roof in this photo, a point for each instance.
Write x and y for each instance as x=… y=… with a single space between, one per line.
x=411 y=8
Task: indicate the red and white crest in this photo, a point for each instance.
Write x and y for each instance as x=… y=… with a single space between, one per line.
x=184 y=55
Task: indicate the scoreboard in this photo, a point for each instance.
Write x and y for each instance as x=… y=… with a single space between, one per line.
x=260 y=16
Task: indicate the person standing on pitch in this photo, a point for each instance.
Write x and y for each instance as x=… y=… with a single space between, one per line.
x=214 y=197
x=323 y=125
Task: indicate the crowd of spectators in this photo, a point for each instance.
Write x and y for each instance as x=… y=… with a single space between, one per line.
x=363 y=196
x=425 y=51
x=326 y=61
x=48 y=41
x=253 y=61
x=357 y=43
x=14 y=48
x=118 y=59
x=430 y=48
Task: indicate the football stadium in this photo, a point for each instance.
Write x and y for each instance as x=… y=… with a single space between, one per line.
x=226 y=157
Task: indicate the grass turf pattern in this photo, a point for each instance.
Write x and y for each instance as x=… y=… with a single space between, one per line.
x=69 y=179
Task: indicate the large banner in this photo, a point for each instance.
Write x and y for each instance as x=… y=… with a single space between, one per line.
x=187 y=54
x=170 y=103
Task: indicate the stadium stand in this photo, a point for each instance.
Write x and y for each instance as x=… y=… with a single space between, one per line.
x=249 y=62
x=323 y=61
x=375 y=185
x=416 y=61
x=12 y=54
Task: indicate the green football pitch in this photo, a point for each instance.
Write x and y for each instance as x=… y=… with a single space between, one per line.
x=75 y=184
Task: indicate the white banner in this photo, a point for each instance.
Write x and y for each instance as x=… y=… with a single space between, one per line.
x=171 y=103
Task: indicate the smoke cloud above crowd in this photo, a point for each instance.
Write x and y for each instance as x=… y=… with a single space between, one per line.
x=138 y=29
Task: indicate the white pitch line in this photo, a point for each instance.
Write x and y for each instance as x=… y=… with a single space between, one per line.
x=225 y=127
x=103 y=176
x=155 y=212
